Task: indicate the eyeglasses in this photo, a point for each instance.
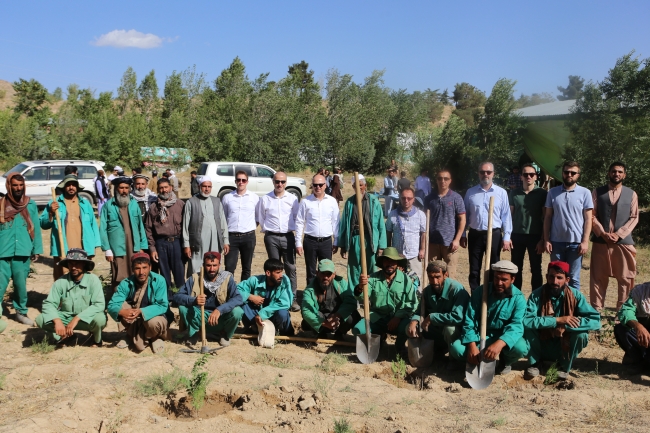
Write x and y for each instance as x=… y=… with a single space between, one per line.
x=572 y=173
x=444 y=178
x=318 y=185
x=280 y=181
x=529 y=174
x=486 y=171
x=408 y=198
x=241 y=180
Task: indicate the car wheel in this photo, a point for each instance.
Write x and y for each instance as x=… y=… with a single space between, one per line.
x=88 y=197
x=223 y=192
x=295 y=192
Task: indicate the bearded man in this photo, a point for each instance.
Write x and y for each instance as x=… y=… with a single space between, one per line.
x=121 y=230
x=20 y=241
x=163 y=228
x=142 y=195
x=557 y=322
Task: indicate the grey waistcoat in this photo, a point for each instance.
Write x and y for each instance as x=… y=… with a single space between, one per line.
x=623 y=206
x=196 y=222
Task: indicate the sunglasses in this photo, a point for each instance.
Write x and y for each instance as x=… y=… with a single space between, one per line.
x=318 y=185
x=486 y=172
x=280 y=181
x=444 y=178
x=529 y=174
x=241 y=180
x=572 y=173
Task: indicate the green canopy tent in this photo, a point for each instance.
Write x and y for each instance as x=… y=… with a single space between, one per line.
x=546 y=135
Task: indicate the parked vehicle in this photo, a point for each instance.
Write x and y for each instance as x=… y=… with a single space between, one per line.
x=260 y=178
x=41 y=176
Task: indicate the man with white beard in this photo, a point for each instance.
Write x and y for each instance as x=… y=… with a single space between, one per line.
x=121 y=230
x=142 y=195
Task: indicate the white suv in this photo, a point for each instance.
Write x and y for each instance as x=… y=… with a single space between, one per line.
x=260 y=178
x=41 y=176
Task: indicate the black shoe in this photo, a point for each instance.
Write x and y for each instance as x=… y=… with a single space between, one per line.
x=294 y=307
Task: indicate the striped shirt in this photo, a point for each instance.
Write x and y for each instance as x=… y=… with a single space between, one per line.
x=406 y=231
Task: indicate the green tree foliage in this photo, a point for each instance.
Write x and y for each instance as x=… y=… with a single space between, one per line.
x=612 y=123
x=573 y=90
x=534 y=99
x=469 y=102
x=57 y=95
x=30 y=97
x=127 y=92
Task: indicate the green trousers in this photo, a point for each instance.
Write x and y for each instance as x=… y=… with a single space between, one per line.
x=381 y=327
x=354 y=261
x=551 y=350
x=94 y=327
x=16 y=269
x=446 y=339
x=509 y=355
x=227 y=325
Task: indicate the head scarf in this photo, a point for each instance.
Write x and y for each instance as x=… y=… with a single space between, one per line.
x=163 y=205
x=204 y=178
x=9 y=207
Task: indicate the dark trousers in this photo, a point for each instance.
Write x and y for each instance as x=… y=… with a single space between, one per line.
x=170 y=261
x=344 y=327
x=627 y=339
x=476 y=245
x=520 y=244
x=316 y=249
x=283 y=247
x=281 y=319
x=243 y=244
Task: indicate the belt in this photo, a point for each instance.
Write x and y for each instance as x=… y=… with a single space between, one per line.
x=278 y=234
x=237 y=234
x=484 y=231
x=314 y=238
x=168 y=239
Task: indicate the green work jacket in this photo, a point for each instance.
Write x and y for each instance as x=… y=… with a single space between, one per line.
x=156 y=296
x=310 y=307
x=505 y=318
x=89 y=231
x=398 y=300
x=14 y=237
x=68 y=299
x=449 y=308
x=378 y=225
x=589 y=317
x=111 y=228
x=279 y=298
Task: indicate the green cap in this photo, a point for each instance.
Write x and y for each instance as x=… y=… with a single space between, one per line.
x=326 y=265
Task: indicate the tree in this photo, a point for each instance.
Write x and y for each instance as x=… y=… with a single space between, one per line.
x=534 y=99
x=573 y=90
x=57 y=95
x=30 y=96
x=467 y=96
x=127 y=91
x=148 y=93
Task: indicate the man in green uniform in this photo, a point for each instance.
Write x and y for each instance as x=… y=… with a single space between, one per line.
x=76 y=301
x=375 y=232
x=445 y=302
x=506 y=307
x=141 y=307
x=633 y=333
x=121 y=230
x=392 y=299
x=20 y=240
x=557 y=322
x=220 y=298
x=79 y=224
x=328 y=304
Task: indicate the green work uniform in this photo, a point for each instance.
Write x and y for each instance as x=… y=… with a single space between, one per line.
x=311 y=311
x=111 y=228
x=386 y=302
x=349 y=240
x=154 y=302
x=16 y=250
x=69 y=299
x=551 y=349
x=275 y=299
x=446 y=312
x=89 y=230
x=504 y=322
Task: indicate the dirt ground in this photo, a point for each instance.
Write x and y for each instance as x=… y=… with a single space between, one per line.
x=254 y=390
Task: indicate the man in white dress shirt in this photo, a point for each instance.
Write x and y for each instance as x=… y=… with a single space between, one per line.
x=239 y=208
x=318 y=220
x=276 y=215
x=477 y=205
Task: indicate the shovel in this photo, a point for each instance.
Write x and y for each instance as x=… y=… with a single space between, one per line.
x=420 y=348
x=480 y=376
x=368 y=344
x=204 y=343
x=62 y=252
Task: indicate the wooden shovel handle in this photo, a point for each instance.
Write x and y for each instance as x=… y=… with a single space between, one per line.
x=486 y=271
x=204 y=341
x=423 y=283
x=364 y=265
x=62 y=251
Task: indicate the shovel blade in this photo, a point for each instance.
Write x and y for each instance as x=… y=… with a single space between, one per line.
x=480 y=376
x=420 y=352
x=368 y=351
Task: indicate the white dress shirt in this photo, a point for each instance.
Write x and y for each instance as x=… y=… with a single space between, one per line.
x=277 y=214
x=477 y=204
x=318 y=218
x=240 y=211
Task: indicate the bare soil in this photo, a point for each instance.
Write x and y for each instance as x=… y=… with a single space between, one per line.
x=253 y=389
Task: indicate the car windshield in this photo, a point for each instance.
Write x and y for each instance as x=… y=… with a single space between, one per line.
x=17 y=169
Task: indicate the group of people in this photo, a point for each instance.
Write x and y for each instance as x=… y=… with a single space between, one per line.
x=140 y=230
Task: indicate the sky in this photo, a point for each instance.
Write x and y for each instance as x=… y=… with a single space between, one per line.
x=419 y=44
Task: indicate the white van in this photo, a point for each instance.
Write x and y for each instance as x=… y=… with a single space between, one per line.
x=260 y=178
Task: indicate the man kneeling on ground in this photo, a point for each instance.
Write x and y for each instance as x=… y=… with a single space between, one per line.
x=392 y=299
x=506 y=307
x=268 y=297
x=557 y=322
x=75 y=301
x=632 y=334
x=220 y=298
x=139 y=305
x=445 y=302
x=328 y=304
